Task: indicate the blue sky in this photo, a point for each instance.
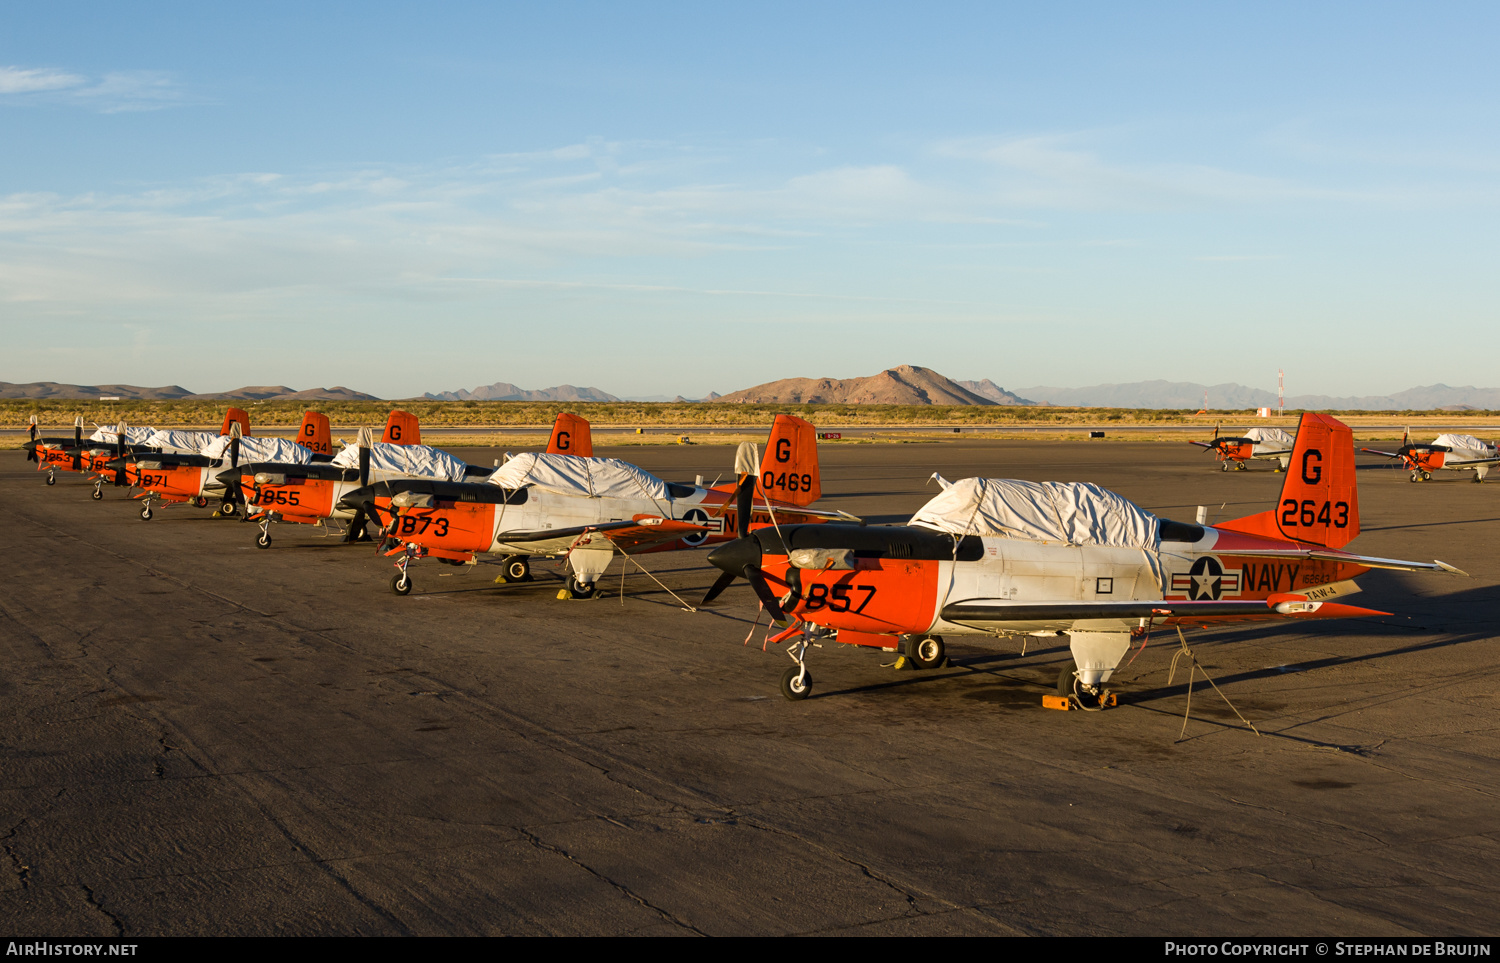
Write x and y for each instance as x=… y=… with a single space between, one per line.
x=664 y=199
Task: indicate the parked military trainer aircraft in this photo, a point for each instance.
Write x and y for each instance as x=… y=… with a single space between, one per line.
x=1268 y=443
x=310 y=494
x=184 y=466
x=588 y=509
x=1012 y=558
x=1453 y=452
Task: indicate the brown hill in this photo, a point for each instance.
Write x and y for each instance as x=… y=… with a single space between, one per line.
x=50 y=389
x=902 y=385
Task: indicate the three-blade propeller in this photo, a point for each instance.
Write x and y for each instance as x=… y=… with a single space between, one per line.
x=741 y=557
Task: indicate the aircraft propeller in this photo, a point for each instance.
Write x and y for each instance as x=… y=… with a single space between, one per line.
x=365 y=509
x=741 y=557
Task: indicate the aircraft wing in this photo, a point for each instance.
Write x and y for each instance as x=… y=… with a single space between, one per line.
x=1062 y=615
x=1368 y=561
x=648 y=533
x=628 y=536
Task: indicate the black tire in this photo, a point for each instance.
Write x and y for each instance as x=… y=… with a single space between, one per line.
x=1223 y=466
x=51 y=478
x=579 y=590
x=926 y=652
x=1065 y=678
x=228 y=508
x=263 y=540
x=517 y=570
x=1414 y=476
x=98 y=494
x=791 y=688
x=146 y=514
x=1240 y=466
x=1427 y=476
x=200 y=502
x=401 y=583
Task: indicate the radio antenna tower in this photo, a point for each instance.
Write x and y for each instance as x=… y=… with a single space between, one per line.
x=1280 y=392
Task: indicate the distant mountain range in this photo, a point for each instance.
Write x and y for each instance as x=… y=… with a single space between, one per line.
x=1186 y=394
x=39 y=390
x=902 y=385
x=504 y=391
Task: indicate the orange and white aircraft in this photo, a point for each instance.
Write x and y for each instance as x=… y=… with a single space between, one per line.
x=1452 y=452
x=79 y=454
x=1267 y=443
x=310 y=494
x=184 y=466
x=999 y=558
x=588 y=509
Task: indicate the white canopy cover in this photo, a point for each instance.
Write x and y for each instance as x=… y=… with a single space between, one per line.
x=260 y=449
x=388 y=462
x=582 y=477
x=1462 y=441
x=133 y=436
x=1073 y=513
x=1271 y=438
x=181 y=442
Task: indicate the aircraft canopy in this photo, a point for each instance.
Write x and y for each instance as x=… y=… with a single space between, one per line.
x=260 y=449
x=1073 y=513
x=1460 y=441
x=581 y=477
x=180 y=442
x=133 y=436
x=388 y=462
x=1271 y=437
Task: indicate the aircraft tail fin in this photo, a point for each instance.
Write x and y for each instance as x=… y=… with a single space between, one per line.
x=789 y=468
x=401 y=428
x=315 y=434
x=1319 y=500
x=570 y=436
x=236 y=416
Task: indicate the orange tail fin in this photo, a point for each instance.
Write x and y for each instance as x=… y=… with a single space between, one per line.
x=789 y=468
x=239 y=415
x=570 y=436
x=401 y=428
x=1319 y=500
x=315 y=434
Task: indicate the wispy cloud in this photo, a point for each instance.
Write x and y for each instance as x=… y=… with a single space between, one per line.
x=112 y=93
x=26 y=80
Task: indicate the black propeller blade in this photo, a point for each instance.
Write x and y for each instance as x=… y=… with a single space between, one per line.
x=741 y=559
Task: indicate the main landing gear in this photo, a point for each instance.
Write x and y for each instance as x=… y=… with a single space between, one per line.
x=1074 y=693
x=515 y=568
x=227 y=508
x=577 y=589
x=925 y=651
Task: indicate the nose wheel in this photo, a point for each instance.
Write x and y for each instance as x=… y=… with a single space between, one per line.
x=796 y=683
x=98 y=491
x=146 y=511
x=51 y=477
x=401 y=582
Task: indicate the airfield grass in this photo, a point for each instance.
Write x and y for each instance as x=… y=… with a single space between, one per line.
x=614 y=422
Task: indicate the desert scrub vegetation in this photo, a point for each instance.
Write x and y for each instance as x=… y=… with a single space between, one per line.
x=347 y=415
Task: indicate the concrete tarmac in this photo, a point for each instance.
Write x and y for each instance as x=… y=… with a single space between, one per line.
x=199 y=737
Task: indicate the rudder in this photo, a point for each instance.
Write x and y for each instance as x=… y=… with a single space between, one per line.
x=789 y=469
x=401 y=428
x=570 y=436
x=315 y=434
x=236 y=415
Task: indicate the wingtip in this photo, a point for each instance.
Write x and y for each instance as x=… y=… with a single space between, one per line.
x=1450 y=569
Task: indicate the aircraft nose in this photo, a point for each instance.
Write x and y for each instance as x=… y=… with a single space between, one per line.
x=736 y=556
x=351 y=501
